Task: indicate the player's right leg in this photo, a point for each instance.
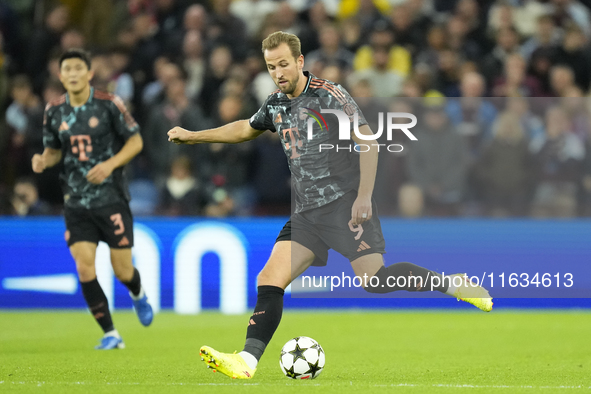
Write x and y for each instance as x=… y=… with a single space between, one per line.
x=288 y=260
x=417 y=278
x=84 y=254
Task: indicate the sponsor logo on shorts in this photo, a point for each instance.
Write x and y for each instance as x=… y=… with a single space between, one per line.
x=363 y=246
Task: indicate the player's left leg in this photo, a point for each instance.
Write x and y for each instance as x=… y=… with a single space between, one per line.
x=411 y=277
x=121 y=260
x=288 y=260
x=116 y=226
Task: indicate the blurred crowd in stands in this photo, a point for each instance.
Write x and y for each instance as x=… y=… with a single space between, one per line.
x=500 y=88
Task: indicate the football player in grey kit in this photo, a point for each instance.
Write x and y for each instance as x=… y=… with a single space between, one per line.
x=332 y=188
x=96 y=136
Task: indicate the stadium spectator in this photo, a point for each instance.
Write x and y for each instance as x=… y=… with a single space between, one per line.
x=565 y=12
x=540 y=65
x=458 y=40
x=586 y=179
x=169 y=16
x=121 y=81
x=44 y=39
x=438 y=165
x=411 y=202
x=522 y=108
x=472 y=115
x=165 y=72
x=26 y=201
x=253 y=13
x=515 y=82
x=182 y=194
x=330 y=50
x=409 y=29
x=576 y=108
x=227 y=30
x=273 y=198
x=193 y=62
x=562 y=80
x=367 y=12
x=392 y=171
x=24 y=117
x=546 y=36
x=384 y=81
x=574 y=53
x=447 y=75
x=176 y=110
x=218 y=70
x=507 y=43
x=351 y=34
x=472 y=14
x=558 y=158
x=504 y=171
x=436 y=42
x=72 y=39
x=97 y=25
x=382 y=39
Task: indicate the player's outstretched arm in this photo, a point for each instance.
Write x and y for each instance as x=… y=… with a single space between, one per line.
x=232 y=133
x=368 y=163
x=101 y=171
x=48 y=158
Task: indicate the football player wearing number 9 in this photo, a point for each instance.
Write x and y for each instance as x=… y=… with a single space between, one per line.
x=336 y=195
x=96 y=136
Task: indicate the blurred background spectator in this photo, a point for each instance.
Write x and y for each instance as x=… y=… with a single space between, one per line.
x=511 y=135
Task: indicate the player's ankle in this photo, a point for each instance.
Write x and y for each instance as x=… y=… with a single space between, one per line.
x=141 y=295
x=112 y=333
x=249 y=359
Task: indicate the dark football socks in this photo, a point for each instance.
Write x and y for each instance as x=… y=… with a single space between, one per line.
x=264 y=320
x=135 y=284
x=98 y=304
x=406 y=276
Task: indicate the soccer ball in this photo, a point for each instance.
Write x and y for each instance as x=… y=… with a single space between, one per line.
x=302 y=358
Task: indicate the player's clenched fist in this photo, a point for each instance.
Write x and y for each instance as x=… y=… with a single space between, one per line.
x=178 y=135
x=38 y=163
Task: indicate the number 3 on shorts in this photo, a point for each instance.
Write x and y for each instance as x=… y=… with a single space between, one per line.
x=118 y=222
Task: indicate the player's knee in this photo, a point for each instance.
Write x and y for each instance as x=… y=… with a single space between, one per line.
x=267 y=278
x=123 y=274
x=86 y=271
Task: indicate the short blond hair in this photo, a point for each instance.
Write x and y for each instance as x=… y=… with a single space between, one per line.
x=273 y=40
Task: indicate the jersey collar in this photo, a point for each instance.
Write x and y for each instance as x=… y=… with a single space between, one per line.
x=309 y=75
x=89 y=97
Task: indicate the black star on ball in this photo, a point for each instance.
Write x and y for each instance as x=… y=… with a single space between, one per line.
x=298 y=353
x=314 y=369
x=291 y=373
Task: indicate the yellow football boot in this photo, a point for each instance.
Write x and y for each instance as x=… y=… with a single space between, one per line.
x=232 y=365
x=473 y=294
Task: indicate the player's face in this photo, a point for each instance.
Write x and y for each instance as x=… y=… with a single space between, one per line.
x=75 y=75
x=284 y=68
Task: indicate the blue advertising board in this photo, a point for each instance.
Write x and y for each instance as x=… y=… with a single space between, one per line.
x=192 y=264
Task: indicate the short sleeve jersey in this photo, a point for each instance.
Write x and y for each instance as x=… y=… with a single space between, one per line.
x=88 y=135
x=319 y=175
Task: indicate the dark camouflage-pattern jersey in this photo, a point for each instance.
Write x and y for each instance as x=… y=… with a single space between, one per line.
x=319 y=177
x=88 y=135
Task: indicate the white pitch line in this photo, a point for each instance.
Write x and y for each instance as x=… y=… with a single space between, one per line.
x=460 y=386
x=474 y=386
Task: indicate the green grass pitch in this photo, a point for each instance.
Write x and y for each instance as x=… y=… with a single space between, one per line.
x=369 y=352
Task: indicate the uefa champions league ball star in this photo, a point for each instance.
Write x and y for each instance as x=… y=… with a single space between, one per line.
x=302 y=358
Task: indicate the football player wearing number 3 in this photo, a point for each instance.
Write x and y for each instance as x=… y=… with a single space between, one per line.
x=334 y=208
x=96 y=136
